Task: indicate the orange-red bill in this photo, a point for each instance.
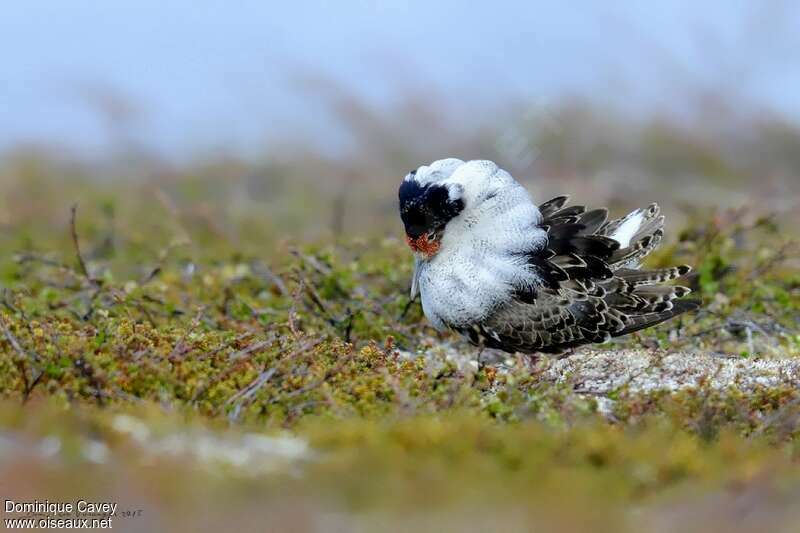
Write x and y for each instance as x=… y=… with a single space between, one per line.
x=423 y=245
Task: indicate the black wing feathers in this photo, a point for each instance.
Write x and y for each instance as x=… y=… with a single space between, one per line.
x=591 y=290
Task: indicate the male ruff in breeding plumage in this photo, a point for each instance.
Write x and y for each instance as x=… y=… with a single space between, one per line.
x=509 y=275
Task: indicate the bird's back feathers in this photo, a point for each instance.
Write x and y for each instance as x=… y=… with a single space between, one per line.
x=590 y=287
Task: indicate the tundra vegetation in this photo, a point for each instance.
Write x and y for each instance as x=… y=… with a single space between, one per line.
x=230 y=343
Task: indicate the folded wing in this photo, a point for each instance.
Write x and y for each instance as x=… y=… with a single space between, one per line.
x=591 y=288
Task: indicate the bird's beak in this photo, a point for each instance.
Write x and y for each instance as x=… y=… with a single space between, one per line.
x=415 y=278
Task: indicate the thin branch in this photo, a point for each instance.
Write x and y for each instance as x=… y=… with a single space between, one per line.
x=783 y=253
x=317 y=301
x=292 y=315
x=243 y=397
x=407 y=308
x=317 y=383
x=268 y=275
x=180 y=347
x=255 y=347
x=28 y=386
x=76 y=244
x=348 y=330
x=14 y=342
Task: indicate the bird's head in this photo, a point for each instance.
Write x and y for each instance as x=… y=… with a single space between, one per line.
x=434 y=197
x=452 y=206
x=428 y=201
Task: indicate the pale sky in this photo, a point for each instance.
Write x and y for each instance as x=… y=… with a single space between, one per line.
x=213 y=73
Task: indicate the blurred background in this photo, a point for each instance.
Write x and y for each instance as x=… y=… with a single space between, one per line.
x=236 y=167
x=300 y=118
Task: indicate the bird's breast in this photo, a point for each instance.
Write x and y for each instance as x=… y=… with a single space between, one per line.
x=457 y=290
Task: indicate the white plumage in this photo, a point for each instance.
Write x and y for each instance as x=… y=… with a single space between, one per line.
x=509 y=277
x=481 y=250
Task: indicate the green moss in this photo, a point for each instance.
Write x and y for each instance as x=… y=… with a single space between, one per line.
x=211 y=331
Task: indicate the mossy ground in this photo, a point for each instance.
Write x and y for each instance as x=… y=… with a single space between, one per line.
x=214 y=328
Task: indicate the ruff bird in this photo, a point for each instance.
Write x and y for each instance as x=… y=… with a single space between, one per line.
x=510 y=275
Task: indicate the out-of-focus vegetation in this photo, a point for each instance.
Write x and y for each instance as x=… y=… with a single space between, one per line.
x=147 y=334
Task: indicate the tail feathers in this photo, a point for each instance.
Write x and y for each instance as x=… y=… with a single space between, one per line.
x=646 y=299
x=627 y=280
x=661 y=293
x=635 y=278
x=633 y=225
x=637 y=322
x=641 y=299
x=593 y=263
x=638 y=233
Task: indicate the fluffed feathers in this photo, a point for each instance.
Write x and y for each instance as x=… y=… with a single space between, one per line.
x=590 y=289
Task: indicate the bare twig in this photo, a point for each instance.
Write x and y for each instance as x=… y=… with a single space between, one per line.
x=30 y=257
x=153 y=274
x=407 y=308
x=292 y=315
x=255 y=347
x=247 y=393
x=317 y=301
x=313 y=261
x=348 y=329
x=265 y=273
x=163 y=256
x=77 y=245
x=328 y=374
x=180 y=346
x=238 y=359
x=245 y=396
x=29 y=388
x=15 y=342
x=26 y=355
x=343 y=325
x=780 y=256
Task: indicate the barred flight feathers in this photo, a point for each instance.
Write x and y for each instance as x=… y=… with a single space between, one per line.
x=590 y=290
